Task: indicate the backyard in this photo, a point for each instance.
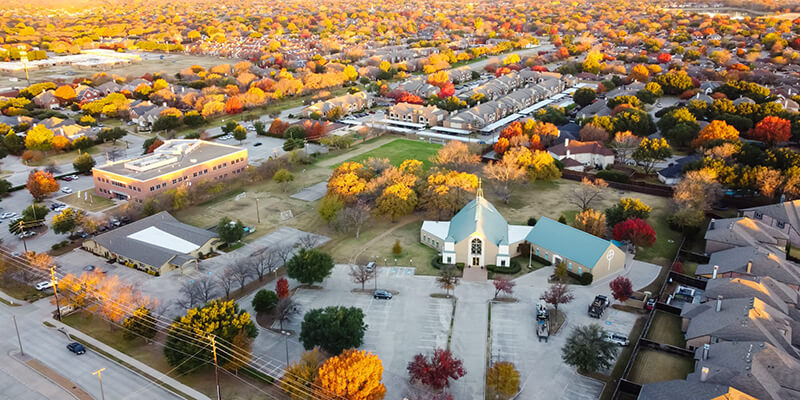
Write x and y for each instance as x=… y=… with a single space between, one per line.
x=658 y=366
x=666 y=328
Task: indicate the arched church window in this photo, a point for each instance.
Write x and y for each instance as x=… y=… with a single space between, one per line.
x=476 y=246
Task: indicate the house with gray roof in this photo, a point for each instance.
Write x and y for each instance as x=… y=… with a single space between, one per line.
x=156 y=244
x=748 y=262
x=784 y=217
x=727 y=233
x=765 y=288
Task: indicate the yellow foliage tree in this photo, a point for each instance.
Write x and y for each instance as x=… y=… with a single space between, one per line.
x=353 y=375
x=396 y=201
x=65 y=93
x=39 y=138
x=350 y=73
x=502 y=380
x=300 y=376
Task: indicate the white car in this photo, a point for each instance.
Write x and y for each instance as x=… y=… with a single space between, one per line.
x=7 y=215
x=66 y=190
x=74 y=177
x=44 y=285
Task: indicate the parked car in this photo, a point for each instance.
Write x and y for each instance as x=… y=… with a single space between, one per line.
x=89 y=268
x=250 y=128
x=651 y=303
x=257 y=144
x=44 y=285
x=617 y=338
x=76 y=348
x=598 y=306
x=67 y=178
x=74 y=177
x=26 y=234
x=66 y=190
x=382 y=294
x=370 y=266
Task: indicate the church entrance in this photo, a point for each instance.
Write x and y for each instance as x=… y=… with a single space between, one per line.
x=476 y=261
x=476 y=252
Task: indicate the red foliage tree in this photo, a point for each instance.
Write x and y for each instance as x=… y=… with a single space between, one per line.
x=502 y=71
x=563 y=52
x=664 y=58
x=513 y=129
x=772 y=130
x=437 y=371
x=233 y=105
x=409 y=98
x=637 y=230
x=154 y=146
x=501 y=146
x=447 y=90
x=539 y=68
x=282 y=288
x=317 y=130
x=536 y=143
x=621 y=288
x=503 y=285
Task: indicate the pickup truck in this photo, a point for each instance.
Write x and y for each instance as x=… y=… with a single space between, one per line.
x=598 y=306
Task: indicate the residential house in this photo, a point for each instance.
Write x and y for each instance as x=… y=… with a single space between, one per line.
x=347 y=103
x=750 y=262
x=418 y=87
x=591 y=154
x=47 y=99
x=460 y=74
x=416 y=113
x=673 y=173
x=108 y=88
x=769 y=290
x=85 y=94
x=728 y=233
x=784 y=217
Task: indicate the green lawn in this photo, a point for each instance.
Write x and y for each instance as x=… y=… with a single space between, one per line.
x=667 y=240
x=658 y=366
x=401 y=150
x=666 y=328
x=93 y=203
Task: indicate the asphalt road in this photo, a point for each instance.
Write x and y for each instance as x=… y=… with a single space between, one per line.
x=49 y=346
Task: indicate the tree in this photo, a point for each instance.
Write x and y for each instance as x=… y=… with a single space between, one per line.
x=285 y=310
x=557 y=293
x=637 y=121
x=352 y=375
x=625 y=143
x=592 y=222
x=65 y=93
x=83 y=163
x=241 y=271
x=240 y=133
x=448 y=278
x=588 y=192
x=39 y=138
x=225 y=280
x=260 y=128
x=716 y=130
x=698 y=190
x=621 y=288
x=67 y=220
x=587 y=349
x=309 y=266
x=651 y=151
x=593 y=133
x=299 y=378
x=771 y=130
x=437 y=371
x=456 y=155
x=584 y=96
x=166 y=123
x=5 y=186
x=140 y=324
x=505 y=174
x=264 y=301
x=503 y=285
x=230 y=232
x=282 y=177
x=329 y=206
x=626 y=208
x=502 y=380
x=233 y=105
x=282 y=288
x=396 y=201
x=263 y=261
x=40 y=184
x=333 y=329
x=111 y=134
x=674 y=82
x=635 y=230
x=353 y=218
x=542 y=166
x=361 y=274
x=187 y=346
x=640 y=73
x=560 y=271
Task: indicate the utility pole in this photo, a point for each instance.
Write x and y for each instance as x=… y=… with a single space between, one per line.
x=100 y=378
x=21 y=352
x=55 y=290
x=22 y=231
x=216 y=367
x=258 y=213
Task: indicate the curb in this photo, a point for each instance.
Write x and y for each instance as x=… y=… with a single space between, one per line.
x=76 y=388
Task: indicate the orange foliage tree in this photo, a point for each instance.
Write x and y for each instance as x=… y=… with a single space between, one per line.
x=772 y=130
x=501 y=146
x=233 y=105
x=65 y=93
x=353 y=375
x=715 y=130
x=41 y=183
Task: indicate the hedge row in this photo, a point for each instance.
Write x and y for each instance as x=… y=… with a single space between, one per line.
x=511 y=269
x=438 y=264
x=585 y=278
x=613 y=176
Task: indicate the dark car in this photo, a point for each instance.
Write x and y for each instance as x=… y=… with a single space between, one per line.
x=382 y=294
x=257 y=144
x=76 y=348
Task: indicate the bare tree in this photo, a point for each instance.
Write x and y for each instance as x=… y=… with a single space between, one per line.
x=241 y=271
x=284 y=253
x=308 y=241
x=189 y=296
x=206 y=288
x=225 y=279
x=285 y=310
x=263 y=262
x=448 y=278
x=354 y=217
x=587 y=193
x=361 y=274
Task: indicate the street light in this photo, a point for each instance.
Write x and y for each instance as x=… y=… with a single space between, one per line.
x=100 y=378
x=286 y=342
x=55 y=290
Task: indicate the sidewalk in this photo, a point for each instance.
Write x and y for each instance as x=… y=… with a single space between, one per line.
x=55 y=387
x=149 y=372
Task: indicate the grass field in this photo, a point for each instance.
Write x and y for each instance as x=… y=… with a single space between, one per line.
x=666 y=328
x=658 y=366
x=93 y=203
x=401 y=150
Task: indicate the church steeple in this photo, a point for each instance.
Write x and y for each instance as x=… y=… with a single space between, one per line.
x=479 y=193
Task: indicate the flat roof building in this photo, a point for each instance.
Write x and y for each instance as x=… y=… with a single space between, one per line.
x=173 y=164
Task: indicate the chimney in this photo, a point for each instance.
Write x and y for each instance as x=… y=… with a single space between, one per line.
x=704 y=374
x=566 y=142
x=749 y=267
x=706 y=348
x=164 y=104
x=714 y=274
x=719 y=303
x=568 y=153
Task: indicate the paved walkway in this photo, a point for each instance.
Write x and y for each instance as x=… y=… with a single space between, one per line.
x=54 y=377
x=362 y=148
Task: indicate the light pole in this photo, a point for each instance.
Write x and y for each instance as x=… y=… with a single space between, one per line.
x=55 y=290
x=100 y=378
x=286 y=343
x=216 y=368
x=19 y=339
x=530 y=255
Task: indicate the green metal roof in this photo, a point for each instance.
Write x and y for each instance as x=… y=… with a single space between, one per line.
x=569 y=242
x=479 y=215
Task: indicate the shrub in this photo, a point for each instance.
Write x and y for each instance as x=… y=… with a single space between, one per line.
x=613 y=176
x=264 y=300
x=397 y=248
x=584 y=279
x=510 y=269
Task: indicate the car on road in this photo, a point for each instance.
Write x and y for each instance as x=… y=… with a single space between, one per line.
x=370 y=266
x=76 y=348
x=67 y=178
x=257 y=144
x=44 y=285
x=66 y=190
x=89 y=268
x=74 y=177
x=617 y=338
x=382 y=294
x=7 y=215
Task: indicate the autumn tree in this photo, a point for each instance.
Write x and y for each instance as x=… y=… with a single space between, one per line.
x=640 y=73
x=456 y=155
x=716 y=130
x=621 y=288
x=353 y=217
x=309 y=266
x=348 y=180
x=624 y=144
x=283 y=177
x=282 y=288
x=584 y=96
x=68 y=220
x=40 y=184
x=674 y=82
x=446 y=192
x=39 y=138
x=557 y=293
x=502 y=380
x=352 y=375
x=591 y=133
x=772 y=130
x=592 y=222
x=448 y=278
x=187 y=345
x=542 y=166
x=626 y=208
x=333 y=329
x=588 y=350
x=298 y=381
x=83 y=163
x=635 y=230
x=650 y=152
x=698 y=190
x=142 y=323
x=504 y=173
x=436 y=371
x=588 y=192
x=396 y=201
x=503 y=285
